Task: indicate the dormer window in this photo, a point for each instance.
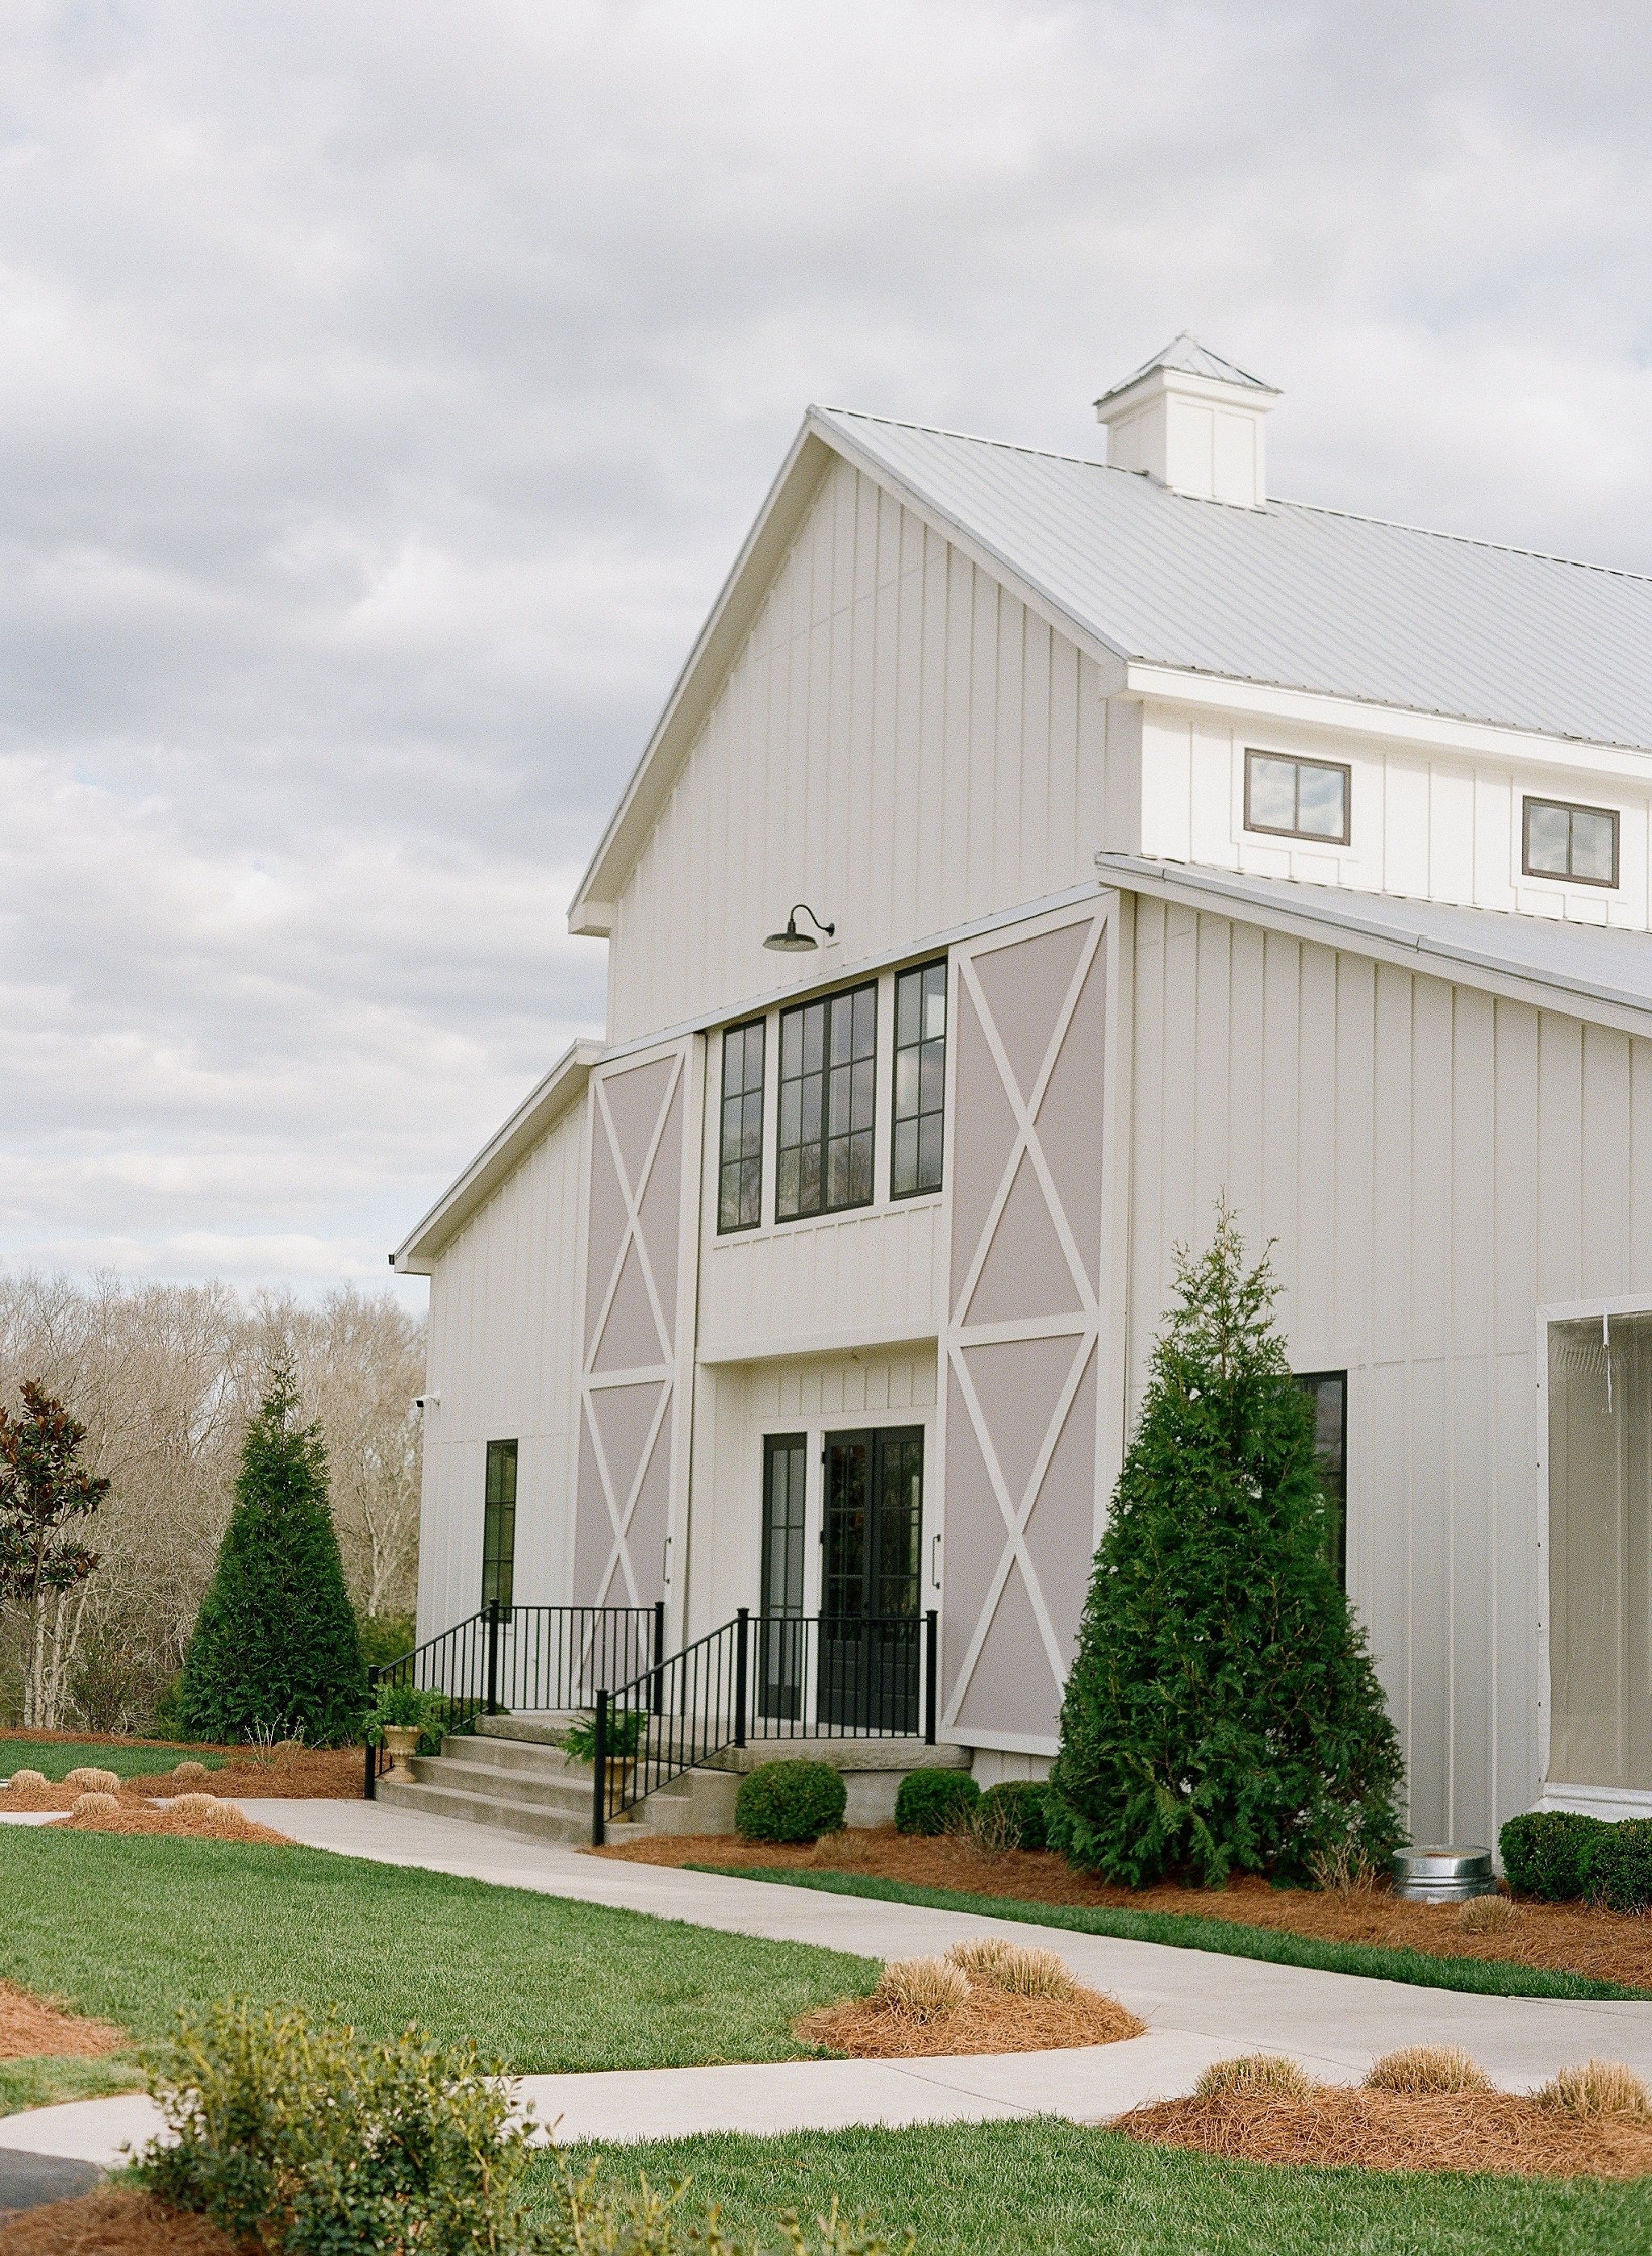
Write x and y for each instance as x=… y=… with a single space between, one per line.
x=1577 y=844
x=1297 y=799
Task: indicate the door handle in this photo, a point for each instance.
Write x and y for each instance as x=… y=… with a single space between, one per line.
x=935 y=1562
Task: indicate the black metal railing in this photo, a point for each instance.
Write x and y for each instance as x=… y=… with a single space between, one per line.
x=813 y=1676
x=507 y=1658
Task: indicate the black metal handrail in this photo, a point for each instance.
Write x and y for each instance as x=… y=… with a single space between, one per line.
x=768 y=1677
x=509 y=1658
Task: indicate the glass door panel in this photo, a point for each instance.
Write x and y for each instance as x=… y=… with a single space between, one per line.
x=780 y=1633
x=869 y=1635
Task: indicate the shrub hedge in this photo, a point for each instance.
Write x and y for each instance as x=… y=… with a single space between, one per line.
x=1556 y=1855
x=791 y=1800
x=1011 y=1816
x=932 y=1801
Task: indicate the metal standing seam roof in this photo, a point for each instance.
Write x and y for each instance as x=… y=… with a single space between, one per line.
x=1293 y=597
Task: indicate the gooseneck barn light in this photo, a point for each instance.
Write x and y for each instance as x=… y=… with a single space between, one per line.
x=793 y=943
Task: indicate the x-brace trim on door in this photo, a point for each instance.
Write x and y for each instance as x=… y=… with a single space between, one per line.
x=631 y=1234
x=620 y=1516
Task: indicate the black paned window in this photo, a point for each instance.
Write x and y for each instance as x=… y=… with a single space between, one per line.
x=1328 y=1392
x=920 y=1080
x=780 y=1634
x=740 y=1170
x=499 y=1525
x=828 y=1076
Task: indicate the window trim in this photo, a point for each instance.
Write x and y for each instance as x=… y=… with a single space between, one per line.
x=942 y=964
x=1305 y=1380
x=1344 y=768
x=872 y=986
x=743 y=1026
x=1570 y=806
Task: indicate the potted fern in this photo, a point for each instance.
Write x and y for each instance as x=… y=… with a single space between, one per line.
x=402 y=1719
x=627 y=1728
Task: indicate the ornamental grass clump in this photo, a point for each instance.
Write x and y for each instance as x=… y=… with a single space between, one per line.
x=1427 y=2067
x=1255 y=2074
x=1222 y=1713
x=1023 y=1969
x=1600 y=2087
x=96 y=1804
x=1486 y=1915
x=90 y=1780
x=921 y=1988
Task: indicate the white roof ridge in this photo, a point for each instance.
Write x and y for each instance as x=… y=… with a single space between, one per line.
x=1463 y=540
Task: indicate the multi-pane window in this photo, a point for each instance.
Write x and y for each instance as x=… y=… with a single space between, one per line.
x=1579 y=843
x=1297 y=799
x=740 y=1170
x=1328 y=1392
x=780 y=1634
x=499 y=1525
x=828 y=1073
x=920 y=1080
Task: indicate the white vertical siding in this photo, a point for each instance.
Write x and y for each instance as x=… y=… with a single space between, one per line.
x=503 y=1358
x=1433 y=1164
x=899 y=742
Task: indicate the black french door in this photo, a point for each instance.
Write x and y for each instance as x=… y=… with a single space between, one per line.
x=870 y=1627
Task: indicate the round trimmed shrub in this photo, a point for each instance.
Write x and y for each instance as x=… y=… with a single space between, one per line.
x=1619 y=1869
x=790 y=1800
x=1010 y=1815
x=1546 y=1853
x=934 y=1800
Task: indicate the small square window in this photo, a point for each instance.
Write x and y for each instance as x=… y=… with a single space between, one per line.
x=1579 y=844
x=1297 y=799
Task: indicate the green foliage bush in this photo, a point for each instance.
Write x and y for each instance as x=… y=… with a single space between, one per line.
x=1222 y=1712
x=414 y=1710
x=793 y=1801
x=1617 y=1865
x=627 y=1729
x=934 y=1800
x=275 y=1651
x=385 y=1638
x=1545 y=1853
x=302 y=2137
x=1011 y=1816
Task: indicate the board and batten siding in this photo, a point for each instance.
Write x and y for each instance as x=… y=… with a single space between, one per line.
x=900 y=743
x=1433 y=825
x=1433 y=1163
x=503 y=1360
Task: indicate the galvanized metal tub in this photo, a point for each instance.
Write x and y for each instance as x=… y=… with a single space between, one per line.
x=1442 y=1875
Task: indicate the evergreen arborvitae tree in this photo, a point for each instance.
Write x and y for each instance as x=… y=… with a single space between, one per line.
x=1222 y=1712
x=275 y=1648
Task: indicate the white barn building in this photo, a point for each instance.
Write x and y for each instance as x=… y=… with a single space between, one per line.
x=1161 y=840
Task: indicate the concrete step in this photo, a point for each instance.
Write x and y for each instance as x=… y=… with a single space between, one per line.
x=567 y=1790
x=530 y=1759
x=526 y=1820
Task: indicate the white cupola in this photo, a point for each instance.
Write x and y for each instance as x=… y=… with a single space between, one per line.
x=1193 y=421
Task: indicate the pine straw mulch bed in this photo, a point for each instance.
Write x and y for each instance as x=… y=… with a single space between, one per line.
x=1606 y=1946
x=228 y=1823
x=30 y=2025
x=112 y=2222
x=990 y=2020
x=1471 y=2130
x=281 y=1774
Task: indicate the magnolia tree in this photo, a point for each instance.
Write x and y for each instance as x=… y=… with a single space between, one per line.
x=45 y=1568
x=1222 y=1712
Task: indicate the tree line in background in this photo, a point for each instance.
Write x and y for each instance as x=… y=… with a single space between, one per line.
x=167 y=1379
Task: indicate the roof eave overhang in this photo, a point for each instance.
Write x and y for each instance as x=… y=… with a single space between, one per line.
x=1216 y=893
x=539 y=1112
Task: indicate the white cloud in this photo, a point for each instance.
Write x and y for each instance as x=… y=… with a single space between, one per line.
x=383 y=392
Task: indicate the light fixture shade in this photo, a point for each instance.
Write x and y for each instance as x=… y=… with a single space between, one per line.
x=793 y=943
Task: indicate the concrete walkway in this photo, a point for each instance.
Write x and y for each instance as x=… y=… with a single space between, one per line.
x=1199 y=2006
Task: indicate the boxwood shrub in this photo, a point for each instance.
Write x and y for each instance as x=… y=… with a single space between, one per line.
x=1011 y=1816
x=933 y=1800
x=791 y=1800
x=1545 y=1853
x=1617 y=1869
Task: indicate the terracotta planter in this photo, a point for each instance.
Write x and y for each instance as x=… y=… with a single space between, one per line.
x=401 y=1740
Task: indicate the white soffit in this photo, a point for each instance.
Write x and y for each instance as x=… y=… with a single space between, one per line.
x=539 y=1111
x=1588 y=971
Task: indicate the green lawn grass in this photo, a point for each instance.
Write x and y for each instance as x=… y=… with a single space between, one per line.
x=57 y=1758
x=1491 y=1977
x=1051 y=2188
x=128 y=1927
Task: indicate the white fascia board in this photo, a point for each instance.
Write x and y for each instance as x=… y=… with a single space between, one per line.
x=1216 y=894
x=540 y=1109
x=591 y=911
x=1353 y=716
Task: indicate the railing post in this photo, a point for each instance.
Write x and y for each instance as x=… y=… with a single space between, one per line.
x=930 y=1627
x=369 y=1788
x=659 y=1656
x=493 y=1656
x=600 y=1774
x=743 y=1643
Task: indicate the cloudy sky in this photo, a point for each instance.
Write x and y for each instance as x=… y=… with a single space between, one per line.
x=385 y=385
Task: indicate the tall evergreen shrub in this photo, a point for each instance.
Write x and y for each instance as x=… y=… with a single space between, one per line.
x=1222 y=1712
x=275 y=1649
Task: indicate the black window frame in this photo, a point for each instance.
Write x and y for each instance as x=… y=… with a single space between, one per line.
x=784 y=1548
x=790 y=1206
x=499 y=1521
x=1569 y=808
x=1336 y=1488
x=1298 y=761
x=742 y=1164
x=936 y=1044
